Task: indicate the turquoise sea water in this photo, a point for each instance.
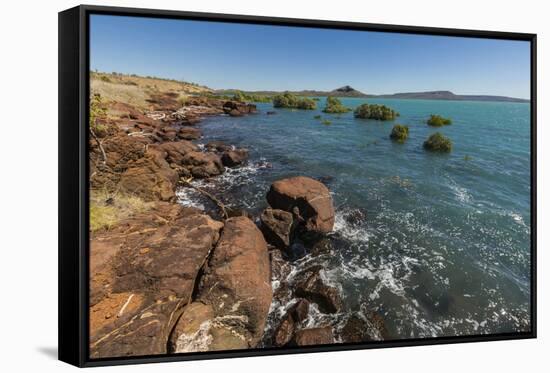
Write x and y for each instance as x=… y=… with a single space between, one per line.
x=438 y=244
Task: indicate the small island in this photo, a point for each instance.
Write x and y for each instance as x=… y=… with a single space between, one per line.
x=290 y=101
x=375 y=111
x=438 y=143
x=438 y=121
x=334 y=106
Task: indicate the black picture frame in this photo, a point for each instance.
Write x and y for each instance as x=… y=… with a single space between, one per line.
x=73 y=247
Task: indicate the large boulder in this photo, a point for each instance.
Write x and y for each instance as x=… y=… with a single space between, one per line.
x=235 y=108
x=143 y=272
x=236 y=289
x=307 y=198
x=233 y=158
x=150 y=177
x=362 y=327
x=277 y=226
x=313 y=336
x=203 y=165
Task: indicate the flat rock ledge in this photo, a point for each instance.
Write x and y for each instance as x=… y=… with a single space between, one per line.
x=142 y=275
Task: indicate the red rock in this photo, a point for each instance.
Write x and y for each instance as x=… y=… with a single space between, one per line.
x=143 y=272
x=277 y=227
x=233 y=158
x=150 y=177
x=306 y=196
x=236 y=286
x=203 y=165
x=314 y=336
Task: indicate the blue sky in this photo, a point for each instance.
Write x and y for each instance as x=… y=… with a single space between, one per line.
x=257 y=57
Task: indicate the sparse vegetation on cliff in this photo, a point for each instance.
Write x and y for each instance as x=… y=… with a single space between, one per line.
x=438 y=121
x=334 y=106
x=375 y=111
x=107 y=209
x=288 y=100
x=438 y=143
x=97 y=111
x=399 y=133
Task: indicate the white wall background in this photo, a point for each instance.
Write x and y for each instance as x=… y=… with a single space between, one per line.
x=28 y=198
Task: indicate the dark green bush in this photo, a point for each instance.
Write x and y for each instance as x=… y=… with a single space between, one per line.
x=317 y=116
x=334 y=106
x=438 y=143
x=288 y=100
x=374 y=111
x=399 y=133
x=438 y=121
x=245 y=97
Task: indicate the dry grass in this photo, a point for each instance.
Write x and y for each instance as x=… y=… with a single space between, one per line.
x=108 y=209
x=135 y=90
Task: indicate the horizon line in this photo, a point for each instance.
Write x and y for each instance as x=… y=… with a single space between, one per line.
x=181 y=80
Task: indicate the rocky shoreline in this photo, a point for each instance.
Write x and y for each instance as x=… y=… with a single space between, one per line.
x=175 y=279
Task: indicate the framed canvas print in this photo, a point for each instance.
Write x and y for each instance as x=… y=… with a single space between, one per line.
x=234 y=186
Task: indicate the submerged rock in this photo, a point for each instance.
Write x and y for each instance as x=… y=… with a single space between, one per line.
x=313 y=336
x=369 y=326
x=313 y=288
x=277 y=227
x=308 y=199
x=235 y=113
x=218 y=146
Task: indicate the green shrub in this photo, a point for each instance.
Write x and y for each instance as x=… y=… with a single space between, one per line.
x=326 y=122
x=317 y=116
x=334 y=106
x=374 y=111
x=97 y=111
x=288 y=100
x=438 y=121
x=399 y=133
x=438 y=143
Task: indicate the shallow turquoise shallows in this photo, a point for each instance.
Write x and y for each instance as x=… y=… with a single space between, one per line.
x=437 y=244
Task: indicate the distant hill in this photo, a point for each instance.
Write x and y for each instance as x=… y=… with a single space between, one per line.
x=345 y=91
x=348 y=91
x=448 y=95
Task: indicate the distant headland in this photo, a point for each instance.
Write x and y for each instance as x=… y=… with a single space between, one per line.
x=348 y=91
